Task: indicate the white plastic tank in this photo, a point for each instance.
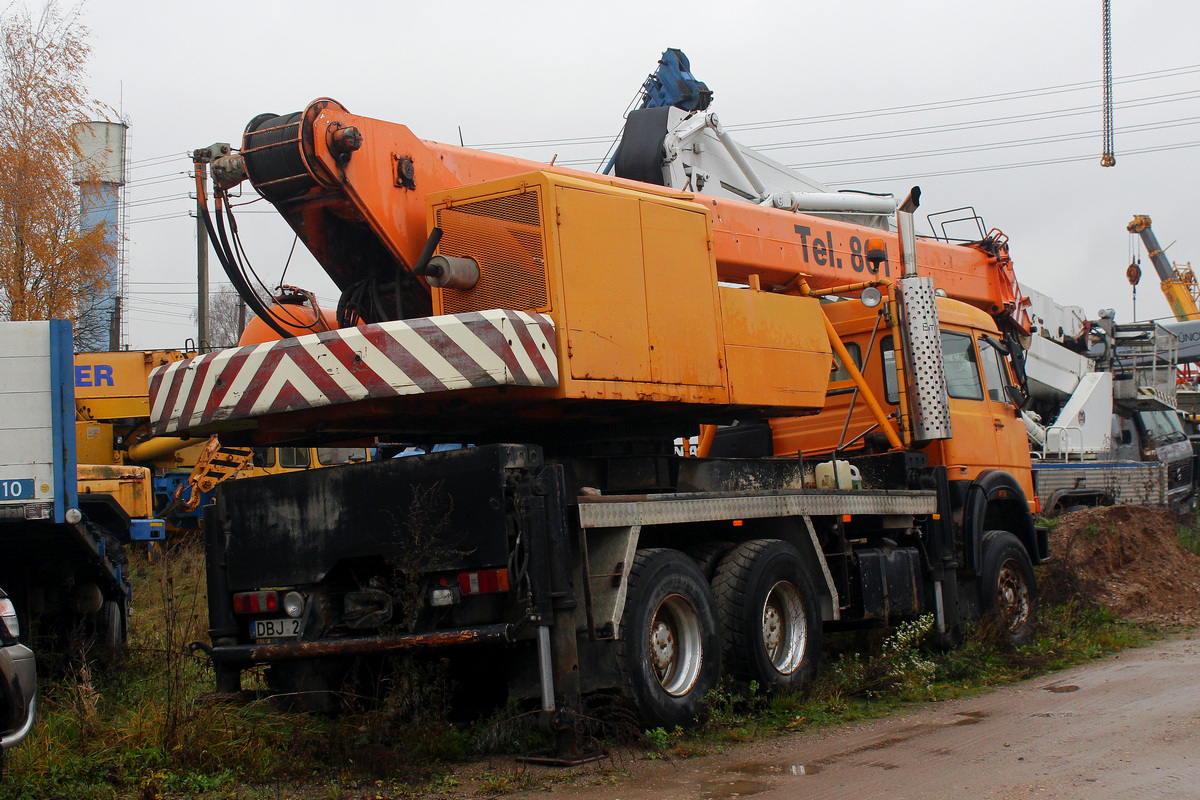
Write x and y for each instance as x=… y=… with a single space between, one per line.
x=838 y=475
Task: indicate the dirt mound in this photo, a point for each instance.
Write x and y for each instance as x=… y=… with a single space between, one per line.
x=1128 y=559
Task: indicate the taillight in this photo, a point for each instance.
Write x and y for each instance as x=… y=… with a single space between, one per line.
x=255 y=602
x=487 y=581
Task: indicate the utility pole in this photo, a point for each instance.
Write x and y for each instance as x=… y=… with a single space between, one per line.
x=114 y=325
x=201 y=260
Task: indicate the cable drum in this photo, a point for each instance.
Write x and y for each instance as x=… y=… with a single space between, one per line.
x=271 y=149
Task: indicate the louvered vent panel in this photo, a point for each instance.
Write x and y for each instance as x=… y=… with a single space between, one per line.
x=503 y=234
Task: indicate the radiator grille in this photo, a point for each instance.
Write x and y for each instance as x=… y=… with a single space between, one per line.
x=1179 y=474
x=503 y=234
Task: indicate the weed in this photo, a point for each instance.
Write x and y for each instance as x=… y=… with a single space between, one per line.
x=1189 y=533
x=142 y=727
x=493 y=784
x=897 y=665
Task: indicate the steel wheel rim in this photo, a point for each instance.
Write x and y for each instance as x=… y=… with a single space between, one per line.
x=675 y=645
x=784 y=627
x=1012 y=596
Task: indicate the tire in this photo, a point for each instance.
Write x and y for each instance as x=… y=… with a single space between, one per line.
x=112 y=630
x=770 y=618
x=669 y=651
x=1008 y=588
x=708 y=557
x=309 y=686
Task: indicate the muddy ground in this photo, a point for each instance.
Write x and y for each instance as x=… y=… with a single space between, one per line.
x=1127 y=559
x=1124 y=726
x=1121 y=727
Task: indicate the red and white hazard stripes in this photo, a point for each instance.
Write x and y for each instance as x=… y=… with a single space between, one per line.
x=389 y=359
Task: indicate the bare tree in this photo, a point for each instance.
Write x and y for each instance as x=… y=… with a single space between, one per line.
x=225 y=317
x=49 y=268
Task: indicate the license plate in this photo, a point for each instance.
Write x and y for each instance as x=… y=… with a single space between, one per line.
x=274 y=628
x=16 y=489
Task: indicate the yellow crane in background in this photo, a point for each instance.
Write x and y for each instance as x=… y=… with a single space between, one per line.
x=1178 y=283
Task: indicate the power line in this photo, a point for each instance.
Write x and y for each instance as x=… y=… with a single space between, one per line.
x=1020 y=165
x=871 y=113
x=928 y=130
x=967 y=101
x=941 y=151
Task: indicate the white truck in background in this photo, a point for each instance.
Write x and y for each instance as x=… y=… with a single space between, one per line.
x=63 y=526
x=1101 y=420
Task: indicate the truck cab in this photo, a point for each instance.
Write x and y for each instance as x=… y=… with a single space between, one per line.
x=988 y=435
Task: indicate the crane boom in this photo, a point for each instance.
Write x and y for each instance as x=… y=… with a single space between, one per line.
x=1178 y=285
x=355 y=191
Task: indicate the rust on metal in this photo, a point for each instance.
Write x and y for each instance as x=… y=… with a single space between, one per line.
x=452 y=637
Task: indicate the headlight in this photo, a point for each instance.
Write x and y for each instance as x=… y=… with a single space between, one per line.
x=293 y=604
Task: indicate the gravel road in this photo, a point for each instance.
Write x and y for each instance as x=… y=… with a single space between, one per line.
x=1126 y=726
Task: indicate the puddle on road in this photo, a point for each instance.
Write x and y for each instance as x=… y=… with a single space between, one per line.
x=730 y=789
x=803 y=769
x=743 y=787
x=754 y=768
x=971 y=717
x=1062 y=688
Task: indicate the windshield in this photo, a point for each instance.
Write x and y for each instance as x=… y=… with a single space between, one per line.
x=1160 y=425
x=341 y=455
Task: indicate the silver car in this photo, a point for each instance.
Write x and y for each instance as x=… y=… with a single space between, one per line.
x=18 y=681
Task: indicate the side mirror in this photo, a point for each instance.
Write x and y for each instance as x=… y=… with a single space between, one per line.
x=996 y=344
x=1016 y=396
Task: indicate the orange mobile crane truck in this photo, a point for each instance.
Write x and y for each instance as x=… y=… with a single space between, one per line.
x=571 y=326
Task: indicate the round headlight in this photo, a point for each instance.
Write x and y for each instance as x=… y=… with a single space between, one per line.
x=293 y=604
x=73 y=516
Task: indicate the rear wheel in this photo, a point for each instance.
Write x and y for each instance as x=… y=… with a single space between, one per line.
x=770 y=620
x=313 y=686
x=1008 y=592
x=708 y=555
x=669 y=651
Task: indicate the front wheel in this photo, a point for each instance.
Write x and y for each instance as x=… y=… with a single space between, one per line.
x=1008 y=591
x=669 y=651
x=770 y=618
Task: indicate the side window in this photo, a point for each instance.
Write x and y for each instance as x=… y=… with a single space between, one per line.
x=264 y=457
x=293 y=457
x=994 y=372
x=962 y=370
x=839 y=371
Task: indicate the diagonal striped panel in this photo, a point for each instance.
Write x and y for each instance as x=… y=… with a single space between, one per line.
x=389 y=359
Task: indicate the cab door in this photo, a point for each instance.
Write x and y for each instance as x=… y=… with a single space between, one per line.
x=1012 y=443
x=973 y=446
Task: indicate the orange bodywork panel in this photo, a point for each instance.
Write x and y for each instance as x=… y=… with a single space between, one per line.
x=769 y=356
x=778 y=245
x=631 y=284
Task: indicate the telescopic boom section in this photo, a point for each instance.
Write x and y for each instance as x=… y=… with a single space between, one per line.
x=1177 y=285
x=355 y=190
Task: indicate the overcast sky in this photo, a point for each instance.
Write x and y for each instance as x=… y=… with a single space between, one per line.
x=1016 y=83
